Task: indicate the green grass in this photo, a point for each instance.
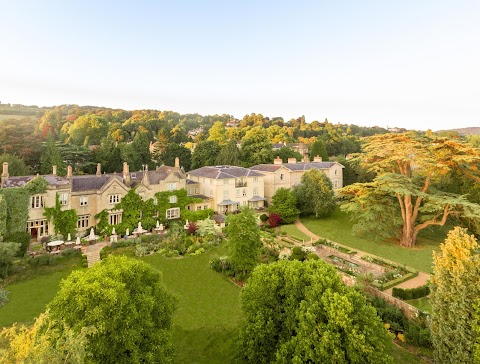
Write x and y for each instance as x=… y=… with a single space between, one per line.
x=209 y=313
x=421 y=303
x=338 y=227
x=292 y=230
x=29 y=298
x=10 y=117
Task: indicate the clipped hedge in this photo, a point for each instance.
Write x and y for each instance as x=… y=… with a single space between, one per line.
x=394 y=282
x=411 y=293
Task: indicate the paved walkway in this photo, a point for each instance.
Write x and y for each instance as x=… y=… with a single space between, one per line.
x=93 y=253
x=418 y=281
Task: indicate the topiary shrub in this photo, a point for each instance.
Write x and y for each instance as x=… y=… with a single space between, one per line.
x=263 y=217
x=298 y=254
x=411 y=293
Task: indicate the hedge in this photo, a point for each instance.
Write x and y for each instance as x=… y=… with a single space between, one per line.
x=411 y=293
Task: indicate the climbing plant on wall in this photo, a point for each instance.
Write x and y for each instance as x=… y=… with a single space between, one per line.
x=64 y=221
x=15 y=206
x=3 y=217
x=135 y=210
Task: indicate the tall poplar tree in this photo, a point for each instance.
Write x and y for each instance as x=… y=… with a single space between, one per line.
x=454 y=292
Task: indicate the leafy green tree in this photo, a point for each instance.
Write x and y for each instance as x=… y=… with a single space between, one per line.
x=126 y=303
x=16 y=166
x=229 y=155
x=50 y=157
x=454 y=293
x=285 y=152
x=302 y=313
x=205 y=154
x=160 y=146
x=8 y=252
x=244 y=239
x=142 y=146
x=176 y=150
x=256 y=148
x=315 y=194
x=284 y=203
x=318 y=148
x=110 y=156
x=91 y=126
x=407 y=165
x=218 y=133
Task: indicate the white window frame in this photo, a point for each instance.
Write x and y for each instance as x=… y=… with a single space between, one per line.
x=206 y=207
x=83 y=221
x=63 y=198
x=83 y=200
x=173 y=199
x=199 y=208
x=255 y=191
x=40 y=225
x=37 y=202
x=226 y=194
x=244 y=192
x=237 y=192
x=114 y=199
x=172 y=186
x=115 y=218
x=173 y=213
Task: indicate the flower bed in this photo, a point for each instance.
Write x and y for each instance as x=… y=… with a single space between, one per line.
x=394 y=275
x=335 y=246
x=345 y=265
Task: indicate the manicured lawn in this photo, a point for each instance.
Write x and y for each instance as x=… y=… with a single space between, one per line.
x=338 y=227
x=29 y=298
x=292 y=230
x=208 y=314
x=422 y=303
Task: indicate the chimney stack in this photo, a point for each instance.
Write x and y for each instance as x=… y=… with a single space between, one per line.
x=126 y=174
x=305 y=158
x=54 y=170
x=177 y=162
x=69 y=172
x=99 y=169
x=4 y=173
x=146 y=178
x=277 y=160
x=317 y=158
x=292 y=160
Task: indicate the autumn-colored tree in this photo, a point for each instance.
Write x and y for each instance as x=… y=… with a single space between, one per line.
x=454 y=293
x=401 y=201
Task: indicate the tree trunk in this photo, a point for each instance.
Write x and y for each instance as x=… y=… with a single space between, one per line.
x=409 y=236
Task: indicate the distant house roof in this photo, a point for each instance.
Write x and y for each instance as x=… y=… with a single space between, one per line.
x=224 y=172
x=299 y=166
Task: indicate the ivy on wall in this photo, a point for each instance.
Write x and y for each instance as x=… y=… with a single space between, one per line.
x=15 y=201
x=64 y=221
x=135 y=209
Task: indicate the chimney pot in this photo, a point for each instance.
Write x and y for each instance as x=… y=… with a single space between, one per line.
x=292 y=160
x=317 y=158
x=54 y=170
x=277 y=160
x=5 y=170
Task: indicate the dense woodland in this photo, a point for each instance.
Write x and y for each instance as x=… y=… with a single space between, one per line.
x=85 y=135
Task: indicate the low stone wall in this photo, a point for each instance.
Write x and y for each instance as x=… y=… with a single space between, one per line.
x=409 y=310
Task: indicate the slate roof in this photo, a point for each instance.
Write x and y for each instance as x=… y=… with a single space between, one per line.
x=299 y=166
x=92 y=182
x=224 y=172
x=157 y=175
x=22 y=180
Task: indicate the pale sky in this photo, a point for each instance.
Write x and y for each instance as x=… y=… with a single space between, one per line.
x=412 y=64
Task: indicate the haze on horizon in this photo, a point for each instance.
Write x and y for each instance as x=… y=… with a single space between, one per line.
x=405 y=64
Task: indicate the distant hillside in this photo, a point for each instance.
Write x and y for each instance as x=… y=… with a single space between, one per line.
x=475 y=130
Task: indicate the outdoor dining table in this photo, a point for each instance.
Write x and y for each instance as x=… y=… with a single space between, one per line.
x=69 y=242
x=55 y=243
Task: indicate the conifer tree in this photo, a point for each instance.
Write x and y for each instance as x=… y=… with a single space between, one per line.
x=454 y=292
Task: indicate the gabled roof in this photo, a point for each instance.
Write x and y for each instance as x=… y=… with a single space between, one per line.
x=157 y=175
x=92 y=182
x=224 y=172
